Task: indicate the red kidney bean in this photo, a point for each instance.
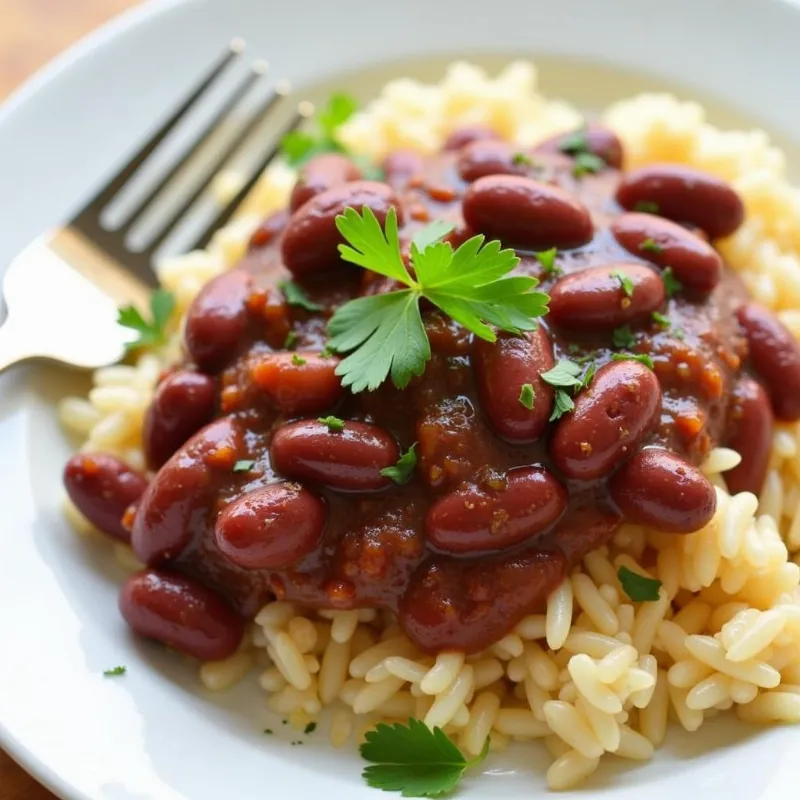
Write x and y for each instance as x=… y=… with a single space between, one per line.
x=182 y=404
x=584 y=529
x=470 y=604
x=502 y=368
x=749 y=433
x=482 y=158
x=610 y=420
x=183 y=491
x=469 y=134
x=473 y=519
x=269 y=229
x=217 y=320
x=297 y=388
x=525 y=213
x=181 y=613
x=270 y=528
x=401 y=166
x=775 y=356
x=606 y=297
x=311 y=239
x=350 y=459
x=696 y=263
x=658 y=488
x=321 y=173
x=102 y=487
x=685 y=195
x=599 y=140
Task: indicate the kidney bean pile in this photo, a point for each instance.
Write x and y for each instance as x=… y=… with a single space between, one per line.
x=255 y=496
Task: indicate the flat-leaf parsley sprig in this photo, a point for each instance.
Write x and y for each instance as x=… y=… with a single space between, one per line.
x=414 y=760
x=384 y=334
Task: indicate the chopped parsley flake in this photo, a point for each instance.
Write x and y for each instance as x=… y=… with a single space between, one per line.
x=547 y=258
x=651 y=246
x=523 y=159
x=646 y=206
x=639 y=588
x=661 y=319
x=402 y=471
x=291 y=341
x=671 y=283
x=334 y=424
x=575 y=142
x=243 y=466
x=587 y=163
x=296 y=296
x=114 y=671
x=642 y=358
x=298 y=361
x=526 y=396
x=623 y=337
x=564 y=376
x=310 y=728
x=625 y=282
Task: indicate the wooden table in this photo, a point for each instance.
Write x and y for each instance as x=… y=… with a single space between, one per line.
x=31 y=33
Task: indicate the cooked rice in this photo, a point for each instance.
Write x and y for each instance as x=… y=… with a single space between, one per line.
x=595 y=673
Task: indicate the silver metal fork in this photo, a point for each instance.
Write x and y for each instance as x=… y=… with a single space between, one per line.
x=63 y=290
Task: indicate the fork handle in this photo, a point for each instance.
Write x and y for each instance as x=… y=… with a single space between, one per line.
x=12 y=350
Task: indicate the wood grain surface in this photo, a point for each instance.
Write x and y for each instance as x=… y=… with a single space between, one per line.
x=31 y=33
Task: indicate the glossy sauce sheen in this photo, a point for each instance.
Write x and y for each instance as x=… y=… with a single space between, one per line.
x=502 y=501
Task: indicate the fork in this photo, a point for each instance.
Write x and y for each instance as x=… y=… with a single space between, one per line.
x=62 y=291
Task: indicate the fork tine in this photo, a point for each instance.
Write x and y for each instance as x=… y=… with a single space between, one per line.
x=226 y=213
x=256 y=73
x=256 y=117
x=104 y=195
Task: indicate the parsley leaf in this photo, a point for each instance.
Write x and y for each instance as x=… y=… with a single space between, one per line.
x=526 y=396
x=642 y=358
x=623 y=337
x=564 y=376
x=587 y=163
x=298 y=146
x=384 y=334
x=414 y=760
x=432 y=233
x=402 y=471
x=678 y=333
x=575 y=142
x=661 y=319
x=153 y=332
x=625 y=282
x=290 y=342
x=646 y=206
x=245 y=465
x=296 y=296
x=638 y=587
x=334 y=424
x=114 y=671
x=651 y=246
x=298 y=361
x=522 y=159
x=547 y=258
x=671 y=283
x=310 y=728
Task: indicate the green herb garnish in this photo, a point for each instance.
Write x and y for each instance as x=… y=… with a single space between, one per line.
x=526 y=396
x=243 y=466
x=290 y=341
x=661 y=319
x=625 y=282
x=298 y=361
x=152 y=332
x=671 y=283
x=522 y=159
x=564 y=376
x=646 y=206
x=298 y=146
x=114 y=671
x=402 y=471
x=268 y=731
x=587 y=163
x=310 y=728
x=334 y=424
x=575 y=142
x=296 y=296
x=414 y=760
x=642 y=358
x=547 y=258
x=623 y=337
x=678 y=333
x=638 y=587
x=651 y=246
x=327 y=352
x=384 y=333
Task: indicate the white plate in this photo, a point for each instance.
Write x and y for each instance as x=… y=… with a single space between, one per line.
x=152 y=734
